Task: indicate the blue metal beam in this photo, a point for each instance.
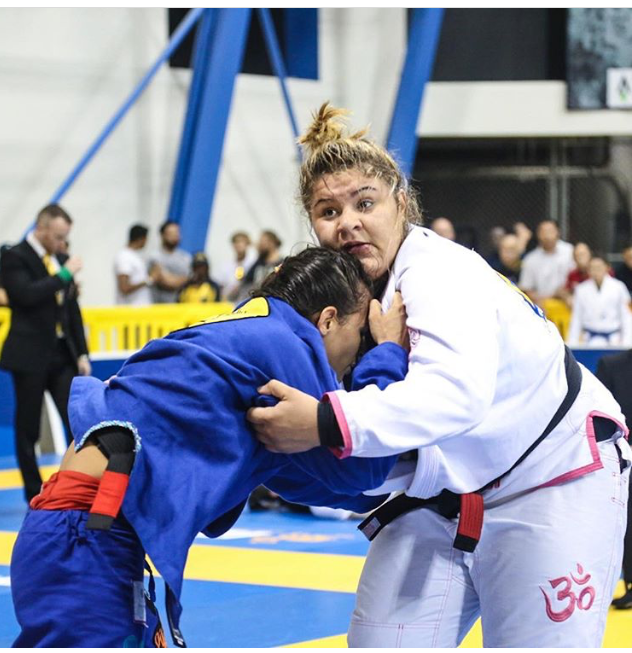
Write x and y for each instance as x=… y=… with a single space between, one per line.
x=183 y=29
x=423 y=40
x=202 y=156
x=300 y=39
x=202 y=48
x=276 y=59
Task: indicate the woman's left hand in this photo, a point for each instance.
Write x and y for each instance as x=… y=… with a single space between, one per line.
x=289 y=427
x=391 y=325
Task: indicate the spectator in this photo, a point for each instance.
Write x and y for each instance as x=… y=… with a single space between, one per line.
x=544 y=270
x=601 y=313
x=173 y=265
x=46 y=345
x=443 y=227
x=624 y=270
x=496 y=234
x=524 y=235
x=615 y=372
x=269 y=249
x=4 y=298
x=200 y=288
x=234 y=271
x=509 y=255
x=132 y=281
x=581 y=255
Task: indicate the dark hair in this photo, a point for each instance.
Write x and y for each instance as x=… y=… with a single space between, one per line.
x=137 y=232
x=53 y=211
x=601 y=256
x=239 y=234
x=316 y=278
x=199 y=258
x=273 y=237
x=168 y=223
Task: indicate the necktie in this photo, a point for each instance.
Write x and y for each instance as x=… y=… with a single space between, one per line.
x=59 y=295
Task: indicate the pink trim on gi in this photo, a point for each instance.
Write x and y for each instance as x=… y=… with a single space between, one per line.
x=594 y=450
x=342 y=423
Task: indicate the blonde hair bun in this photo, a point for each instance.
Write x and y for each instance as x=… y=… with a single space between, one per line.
x=328 y=124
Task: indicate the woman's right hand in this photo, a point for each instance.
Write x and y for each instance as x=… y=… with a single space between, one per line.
x=389 y=326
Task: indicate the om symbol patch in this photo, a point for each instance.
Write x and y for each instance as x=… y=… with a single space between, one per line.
x=573 y=593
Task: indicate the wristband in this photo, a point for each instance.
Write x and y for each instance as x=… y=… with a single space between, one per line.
x=329 y=432
x=65 y=274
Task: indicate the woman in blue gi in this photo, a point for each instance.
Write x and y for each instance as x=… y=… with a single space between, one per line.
x=166 y=441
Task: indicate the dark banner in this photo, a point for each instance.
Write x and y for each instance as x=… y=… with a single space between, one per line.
x=598 y=40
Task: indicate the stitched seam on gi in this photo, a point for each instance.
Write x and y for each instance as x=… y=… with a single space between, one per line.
x=445 y=599
x=605 y=596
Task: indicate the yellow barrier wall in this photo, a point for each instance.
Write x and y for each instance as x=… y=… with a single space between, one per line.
x=558 y=312
x=116 y=328
x=5 y=322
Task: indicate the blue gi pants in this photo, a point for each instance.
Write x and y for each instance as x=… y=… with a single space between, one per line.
x=74 y=587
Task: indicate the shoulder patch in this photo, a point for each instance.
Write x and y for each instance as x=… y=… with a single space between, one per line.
x=257 y=307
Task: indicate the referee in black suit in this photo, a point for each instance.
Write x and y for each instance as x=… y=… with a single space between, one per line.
x=46 y=345
x=615 y=372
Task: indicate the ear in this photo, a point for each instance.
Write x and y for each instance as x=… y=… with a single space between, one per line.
x=402 y=201
x=328 y=316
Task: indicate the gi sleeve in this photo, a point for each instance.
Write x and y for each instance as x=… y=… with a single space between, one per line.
x=350 y=476
x=380 y=366
x=292 y=484
x=451 y=381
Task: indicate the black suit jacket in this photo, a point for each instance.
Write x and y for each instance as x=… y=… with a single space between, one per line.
x=31 y=342
x=615 y=372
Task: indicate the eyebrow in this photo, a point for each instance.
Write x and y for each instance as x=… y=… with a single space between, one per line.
x=353 y=194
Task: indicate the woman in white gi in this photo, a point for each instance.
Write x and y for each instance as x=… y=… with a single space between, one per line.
x=488 y=377
x=601 y=310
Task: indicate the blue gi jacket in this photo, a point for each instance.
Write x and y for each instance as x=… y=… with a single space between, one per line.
x=185 y=399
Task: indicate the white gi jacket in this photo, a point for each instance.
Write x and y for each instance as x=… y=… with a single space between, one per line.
x=602 y=311
x=486 y=375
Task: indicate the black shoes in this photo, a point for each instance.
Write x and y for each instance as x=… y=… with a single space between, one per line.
x=624 y=602
x=262 y=499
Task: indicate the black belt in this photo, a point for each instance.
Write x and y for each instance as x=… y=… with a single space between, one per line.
x=603 y=334
x=469 y=507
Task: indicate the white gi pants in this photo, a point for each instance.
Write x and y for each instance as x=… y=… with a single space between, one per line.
x=542 y=575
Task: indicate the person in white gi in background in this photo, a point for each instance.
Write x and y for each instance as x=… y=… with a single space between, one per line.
x=601 y=310
x=488 y=377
